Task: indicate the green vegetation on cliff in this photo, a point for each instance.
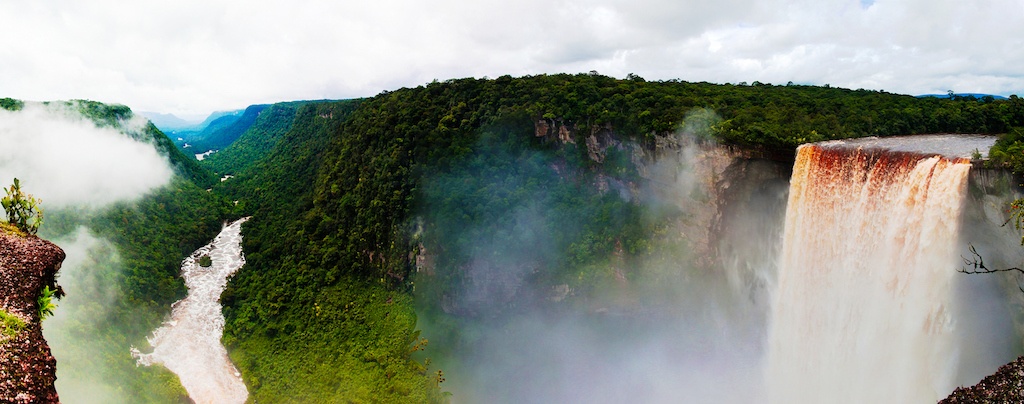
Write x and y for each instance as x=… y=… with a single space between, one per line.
x=292 y=348
x=128 y=275
x=468 y=174
x=22 y=210
x=350 y=190
x=10 y=326
x=264 y=130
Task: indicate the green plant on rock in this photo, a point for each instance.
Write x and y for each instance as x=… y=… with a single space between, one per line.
x=205 y=261
x=10 y=326
x=46 y=304
x=23 y=211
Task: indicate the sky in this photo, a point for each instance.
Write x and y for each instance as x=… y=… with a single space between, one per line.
x=192 y=57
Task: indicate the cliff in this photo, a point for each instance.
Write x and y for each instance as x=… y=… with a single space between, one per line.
x=1005 y=386
x=27 y=369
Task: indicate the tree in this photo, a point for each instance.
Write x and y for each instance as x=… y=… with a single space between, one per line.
x=976 y=263
x=23 y=211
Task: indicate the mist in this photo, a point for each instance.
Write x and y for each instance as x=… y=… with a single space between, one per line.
x=88 y=276
x=77 y=169
x=682 y=316
x=674 y=322
x=67 y=161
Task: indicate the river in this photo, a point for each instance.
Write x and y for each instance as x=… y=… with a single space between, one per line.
x=189 y=343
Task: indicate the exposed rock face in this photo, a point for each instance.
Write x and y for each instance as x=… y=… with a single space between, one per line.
x=27 y=369
x=1006 y=386
x=555 y=130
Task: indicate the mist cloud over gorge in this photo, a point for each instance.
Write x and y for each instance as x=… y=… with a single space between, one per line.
x=87 y=277
x=77 y=168
x=67 y=161
x=656 y=327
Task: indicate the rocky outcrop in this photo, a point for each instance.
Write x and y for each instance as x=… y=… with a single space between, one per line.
x=27 y=369
x=555 y=130
x=1005 y=386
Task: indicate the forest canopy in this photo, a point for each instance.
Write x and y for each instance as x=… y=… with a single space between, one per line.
x=352 y=191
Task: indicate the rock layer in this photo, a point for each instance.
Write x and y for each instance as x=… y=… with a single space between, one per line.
x=27 y=369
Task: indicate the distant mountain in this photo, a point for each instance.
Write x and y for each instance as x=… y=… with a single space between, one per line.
x=219 y=120
x=167 y=122
x=222 y=131
x=257 y=139
x=170 y=123
x=190 y=133
x=963 y=95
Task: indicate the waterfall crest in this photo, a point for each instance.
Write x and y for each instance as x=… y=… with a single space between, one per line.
x=863 y=309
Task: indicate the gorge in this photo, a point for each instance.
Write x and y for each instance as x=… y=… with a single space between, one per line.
x=562 y=237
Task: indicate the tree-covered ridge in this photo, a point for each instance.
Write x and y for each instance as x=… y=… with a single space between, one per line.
x=11 y=104
x=345 y=198
x=216 y=138
x=366 y=191
x=311 y=327
x=269 y=125
x=138 y=128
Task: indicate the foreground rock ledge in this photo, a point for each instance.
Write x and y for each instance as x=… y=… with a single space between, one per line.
x=27 y=369
x=1005 y=386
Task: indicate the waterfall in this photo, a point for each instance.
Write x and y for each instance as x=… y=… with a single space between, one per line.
x=863 y=310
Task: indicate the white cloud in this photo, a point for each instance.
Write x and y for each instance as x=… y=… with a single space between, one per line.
x=192 y=56
x=68 y=161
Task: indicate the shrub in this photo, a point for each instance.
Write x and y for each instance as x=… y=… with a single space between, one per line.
x=46 y=304
x=23 y=211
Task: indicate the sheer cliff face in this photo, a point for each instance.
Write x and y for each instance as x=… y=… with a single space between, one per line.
x=27 y=369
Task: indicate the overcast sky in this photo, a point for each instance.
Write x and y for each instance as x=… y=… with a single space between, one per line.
x=192 y=57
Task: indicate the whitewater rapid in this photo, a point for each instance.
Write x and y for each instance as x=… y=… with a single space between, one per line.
x=189 y=343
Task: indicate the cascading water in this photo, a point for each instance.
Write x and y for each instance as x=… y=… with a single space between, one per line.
x=863 y=309
x=189 y=344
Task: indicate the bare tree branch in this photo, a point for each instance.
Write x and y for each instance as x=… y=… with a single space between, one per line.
x=976 y=265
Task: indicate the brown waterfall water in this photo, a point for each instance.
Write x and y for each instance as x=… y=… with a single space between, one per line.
x=864 y=306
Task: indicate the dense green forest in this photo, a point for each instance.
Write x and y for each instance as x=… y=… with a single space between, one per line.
x=312 y=328
x=355 y=192
x=219 y=135
x=367 y=212
x=255 y=139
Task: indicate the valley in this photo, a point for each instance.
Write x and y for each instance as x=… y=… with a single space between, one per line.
x=551 y=237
